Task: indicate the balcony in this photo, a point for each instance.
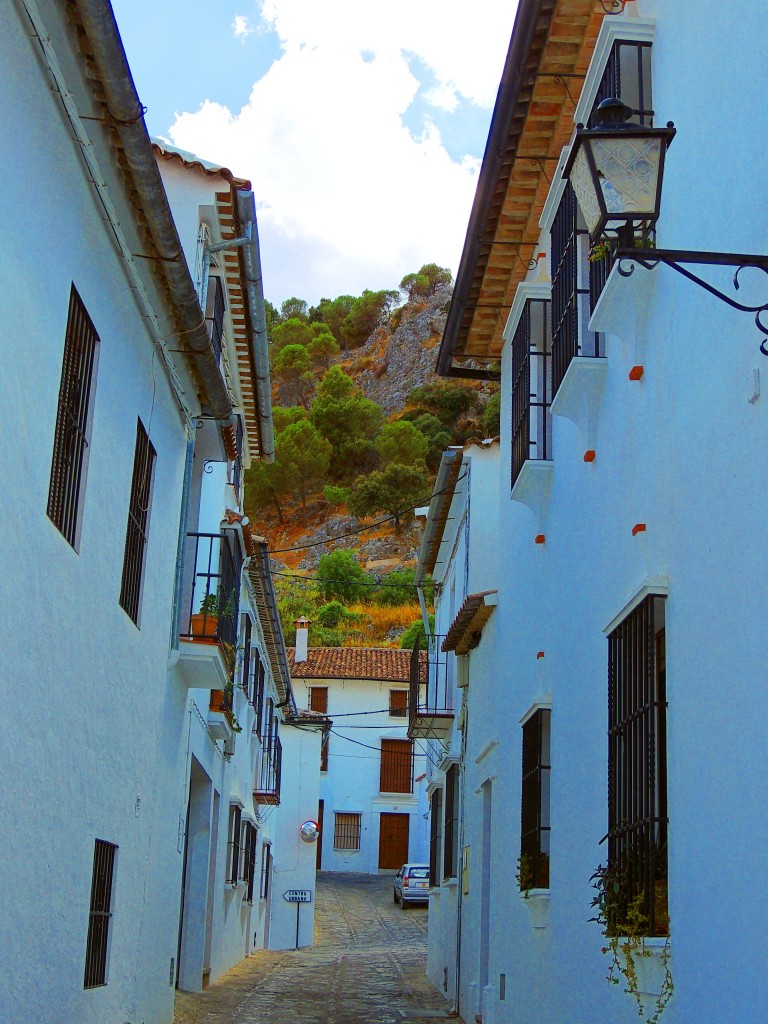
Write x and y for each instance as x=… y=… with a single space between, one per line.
x=267 y=788
x=221 y=720
x=430 y=702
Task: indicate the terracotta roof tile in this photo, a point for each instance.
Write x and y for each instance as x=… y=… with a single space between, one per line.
x=385 y=663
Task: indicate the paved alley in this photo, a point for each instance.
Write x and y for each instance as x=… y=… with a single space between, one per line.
x=366 y=967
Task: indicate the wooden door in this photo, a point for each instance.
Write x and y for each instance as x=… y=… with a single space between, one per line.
x=393 y=840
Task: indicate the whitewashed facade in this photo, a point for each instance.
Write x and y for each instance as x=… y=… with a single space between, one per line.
x=372 y=781
x=629 y=551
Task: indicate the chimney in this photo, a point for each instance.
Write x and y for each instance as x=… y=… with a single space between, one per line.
x=302 y=637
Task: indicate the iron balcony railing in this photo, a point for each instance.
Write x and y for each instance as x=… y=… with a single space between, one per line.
x=267 y=789
x=430 y=699
x=212 y=587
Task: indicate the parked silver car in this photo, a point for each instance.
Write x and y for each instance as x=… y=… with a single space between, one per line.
x=412 y=884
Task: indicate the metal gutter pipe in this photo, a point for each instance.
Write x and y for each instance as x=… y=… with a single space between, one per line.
x=127 y=115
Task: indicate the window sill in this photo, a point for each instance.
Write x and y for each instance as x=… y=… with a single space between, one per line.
x=578 y=397
x=650 y=968
x=533 y=484
x=537 y=902
x=623 y=307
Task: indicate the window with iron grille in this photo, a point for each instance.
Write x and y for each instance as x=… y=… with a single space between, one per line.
x=627 y=75
x=237 y=465
x=318 y=699
x=266 y=871
x=258 y=696
x=570 y=289
x=534 y=826
x=138 y=523
x=249 y=860
x=214 y=313
x=435 y=835
x=451 y=836
x=246 y=680
x=531 y=384
x=233 y=844
x=398 y=703
x=346 y=831
x=324 y=752
x=396 y=766
x=97 y=944
x=637 y=764
x=72 y=437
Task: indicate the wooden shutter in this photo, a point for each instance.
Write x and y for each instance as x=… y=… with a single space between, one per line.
x=396 y=766
x=138 y=521
x=318 y=699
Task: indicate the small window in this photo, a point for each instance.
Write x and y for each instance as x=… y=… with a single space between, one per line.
x=531 y=383
x=637 y=764
x=258 y=672
x=346 y=831
x=249 y=860
x=318 y=699
x=100 y=915
x=324 y=752
x=435 y=836
x=396 y=774
x=214 y=313
x=451 y=833
x=398 y=703
x=233 y=844
x=266 y=871
x=138 y=523
x=72 y=437
x=535 y=828
x=246 y=680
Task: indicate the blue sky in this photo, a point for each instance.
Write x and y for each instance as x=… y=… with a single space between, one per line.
x=361 y=131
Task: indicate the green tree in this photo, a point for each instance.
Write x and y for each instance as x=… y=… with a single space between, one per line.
x=291 y=332
x=266 y=484
x=283 y=416
x=402 y=442
x=335 y=385
x=332 y=312
x=445 y=401
x=323 y=348
x=426 y=281
x=368 y=312
x=293 y=307
x=395 y=490
x=438 y=438
x=416 y=632
x=347 y=420
x=305 y=455
x=292 y=365
x=338 y=575
x=492 y=415
x=336 y=495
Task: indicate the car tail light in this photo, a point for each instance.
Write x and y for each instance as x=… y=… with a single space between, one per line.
x=405 y=879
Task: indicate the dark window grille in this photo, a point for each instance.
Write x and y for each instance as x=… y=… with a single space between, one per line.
x=138 y=522
x=249 y=860
x=531 y=383
x=246 y=680
x=398 y=703
x=233 y=846
x=637 y=764
x=535 y=827
x=266 y=871
x=72 y=437
x=214 y=562
x=570 y=290
x=258 y=700
x=396 y=766
x=214 y=313
x=435 y=835
x=451 y=837
x=627 y=76
x=346 y=831
x=324 y=752
x=318 y=699
x=237 y=465
x=100 y=914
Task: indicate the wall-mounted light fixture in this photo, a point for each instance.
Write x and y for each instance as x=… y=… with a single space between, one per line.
x=617 y=170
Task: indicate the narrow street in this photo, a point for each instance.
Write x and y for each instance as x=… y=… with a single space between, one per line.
x=367 y=967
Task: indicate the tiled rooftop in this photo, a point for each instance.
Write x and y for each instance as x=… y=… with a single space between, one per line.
x=352 y=663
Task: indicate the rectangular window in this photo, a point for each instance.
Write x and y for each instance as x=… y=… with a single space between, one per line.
x=266 y=871
x=324 y=752
x=74 y=415
x=138 y=522
x=246 y=680
x=570 y=290
x=534 y=826
x=318 y=699
x=233 y=844
x=435 y=836
x=637 y=764
x=531 y=383
x=396 y=766
x=398 y=703
x=249 y=860
x=100 y=914
x=214 y=313
x=451 y=833
x=258 y=672
x=346 y=831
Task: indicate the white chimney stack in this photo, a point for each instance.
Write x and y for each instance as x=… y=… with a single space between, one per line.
x=302 y=639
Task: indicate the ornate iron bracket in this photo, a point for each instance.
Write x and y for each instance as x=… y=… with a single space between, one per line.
x=626 y=259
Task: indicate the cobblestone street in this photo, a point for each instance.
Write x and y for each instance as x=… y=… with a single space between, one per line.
x=366 y=967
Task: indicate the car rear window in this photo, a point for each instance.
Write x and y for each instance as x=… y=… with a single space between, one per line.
x=418 y=873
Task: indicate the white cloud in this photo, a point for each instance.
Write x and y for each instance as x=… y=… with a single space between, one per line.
x=240 y=26
x=348 y=198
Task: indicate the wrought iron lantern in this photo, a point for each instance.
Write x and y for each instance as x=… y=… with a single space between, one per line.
x=616 y=170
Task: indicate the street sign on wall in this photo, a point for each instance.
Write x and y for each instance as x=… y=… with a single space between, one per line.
x=298 y=895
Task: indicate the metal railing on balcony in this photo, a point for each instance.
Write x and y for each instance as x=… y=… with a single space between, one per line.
x=267 y=789
x=430 y=699
x=212 y=587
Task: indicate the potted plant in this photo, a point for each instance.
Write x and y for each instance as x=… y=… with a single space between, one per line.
x=204 y=625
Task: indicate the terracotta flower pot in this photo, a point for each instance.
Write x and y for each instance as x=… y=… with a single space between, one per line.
x=203 y=627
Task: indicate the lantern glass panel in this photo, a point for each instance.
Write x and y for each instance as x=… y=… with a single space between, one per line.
x=584 y=186
x=628 y=169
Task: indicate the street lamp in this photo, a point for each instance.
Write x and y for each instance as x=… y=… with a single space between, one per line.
x=616 y=170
